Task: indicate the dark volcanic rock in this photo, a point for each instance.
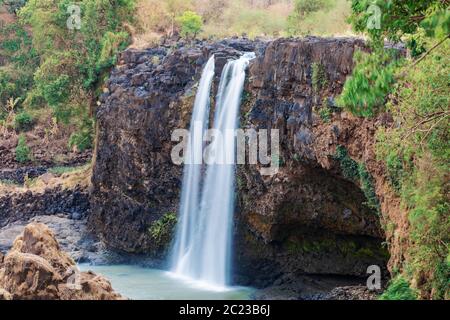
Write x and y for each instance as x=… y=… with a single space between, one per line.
x=135 y=182
x=307 y=218
x=25 y=205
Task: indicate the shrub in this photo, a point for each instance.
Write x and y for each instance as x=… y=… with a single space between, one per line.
x=368 y=187
x=305 y=7
x=22 y=150
x=191 y=24
x=23 y=121
x=83 y=138
x=398 y=290
x=162 y=229
x=365 y=92
x=358 y=173
x=319 y=77
x=416 y=153
x=349 y=166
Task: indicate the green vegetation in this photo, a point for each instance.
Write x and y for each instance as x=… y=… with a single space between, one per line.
x=326 y=109
x=191 y=24
x=365 y=92
x=82 y=139
x=62 y=170
x=319 y=17
x=319 y=77
x=162 y=229
x=23 y=121
x=22 y=150
x=416 y=155
x=224 y=18
x=415 y=149
x=398 y=290
x=349 y=166
x=325 y=113
x=348 y=247
x=368 y=187
x=358 y=173
x=303 y=9
x=53 y=66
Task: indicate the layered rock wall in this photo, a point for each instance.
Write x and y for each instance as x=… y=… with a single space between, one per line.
x=309 y=218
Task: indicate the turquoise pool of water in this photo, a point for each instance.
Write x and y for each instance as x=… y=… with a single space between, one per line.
x=140 y=283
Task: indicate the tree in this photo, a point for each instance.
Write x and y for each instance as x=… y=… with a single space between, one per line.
x=302 y=10
x=398 y=18
x=305 y=7
x=176 y=8
x=191 y=24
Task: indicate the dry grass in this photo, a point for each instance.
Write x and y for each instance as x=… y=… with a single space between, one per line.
x=79 y=176
x=224 y=18
x=330 y=22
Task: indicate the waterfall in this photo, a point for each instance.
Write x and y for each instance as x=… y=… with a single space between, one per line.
x=202 y=249
x=190 y=192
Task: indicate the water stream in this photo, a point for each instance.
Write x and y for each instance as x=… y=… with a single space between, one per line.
x=201 y=254
x=138 y=283
x=202 y=250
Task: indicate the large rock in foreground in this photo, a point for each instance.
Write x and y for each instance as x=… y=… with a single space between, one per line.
x=36 y=269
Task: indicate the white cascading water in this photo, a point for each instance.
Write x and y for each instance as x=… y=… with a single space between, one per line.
x=202 y=249
x=190 y=192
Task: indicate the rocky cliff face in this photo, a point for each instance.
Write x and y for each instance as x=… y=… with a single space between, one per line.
x=149 y=94
x=309 y=218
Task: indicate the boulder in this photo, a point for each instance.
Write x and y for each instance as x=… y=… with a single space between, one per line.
x=5 y=295
x=36 y=269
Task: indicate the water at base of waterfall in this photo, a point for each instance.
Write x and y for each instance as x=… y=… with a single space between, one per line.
x=140 y=283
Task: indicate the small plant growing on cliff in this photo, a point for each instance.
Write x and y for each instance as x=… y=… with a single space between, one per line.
x=22 y=150
x=162 y=229
x=191 y=24
x=325 y=111
x=358 y=173
x=368 y=187
x=349 y=166
x=398 y=290
x=319 y=77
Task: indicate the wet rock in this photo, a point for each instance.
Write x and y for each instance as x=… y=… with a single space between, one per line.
x=292 y=223
x=134 y=180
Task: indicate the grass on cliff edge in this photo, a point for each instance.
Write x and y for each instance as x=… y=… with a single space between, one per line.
x=61 y=177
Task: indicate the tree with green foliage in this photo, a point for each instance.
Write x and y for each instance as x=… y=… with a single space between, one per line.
x=22 y=150
x=175 y=8
x=303 y=9
x=65 y=68
x=191 y=24
x=399 y=18
x=416 y=149
x=365 y=91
